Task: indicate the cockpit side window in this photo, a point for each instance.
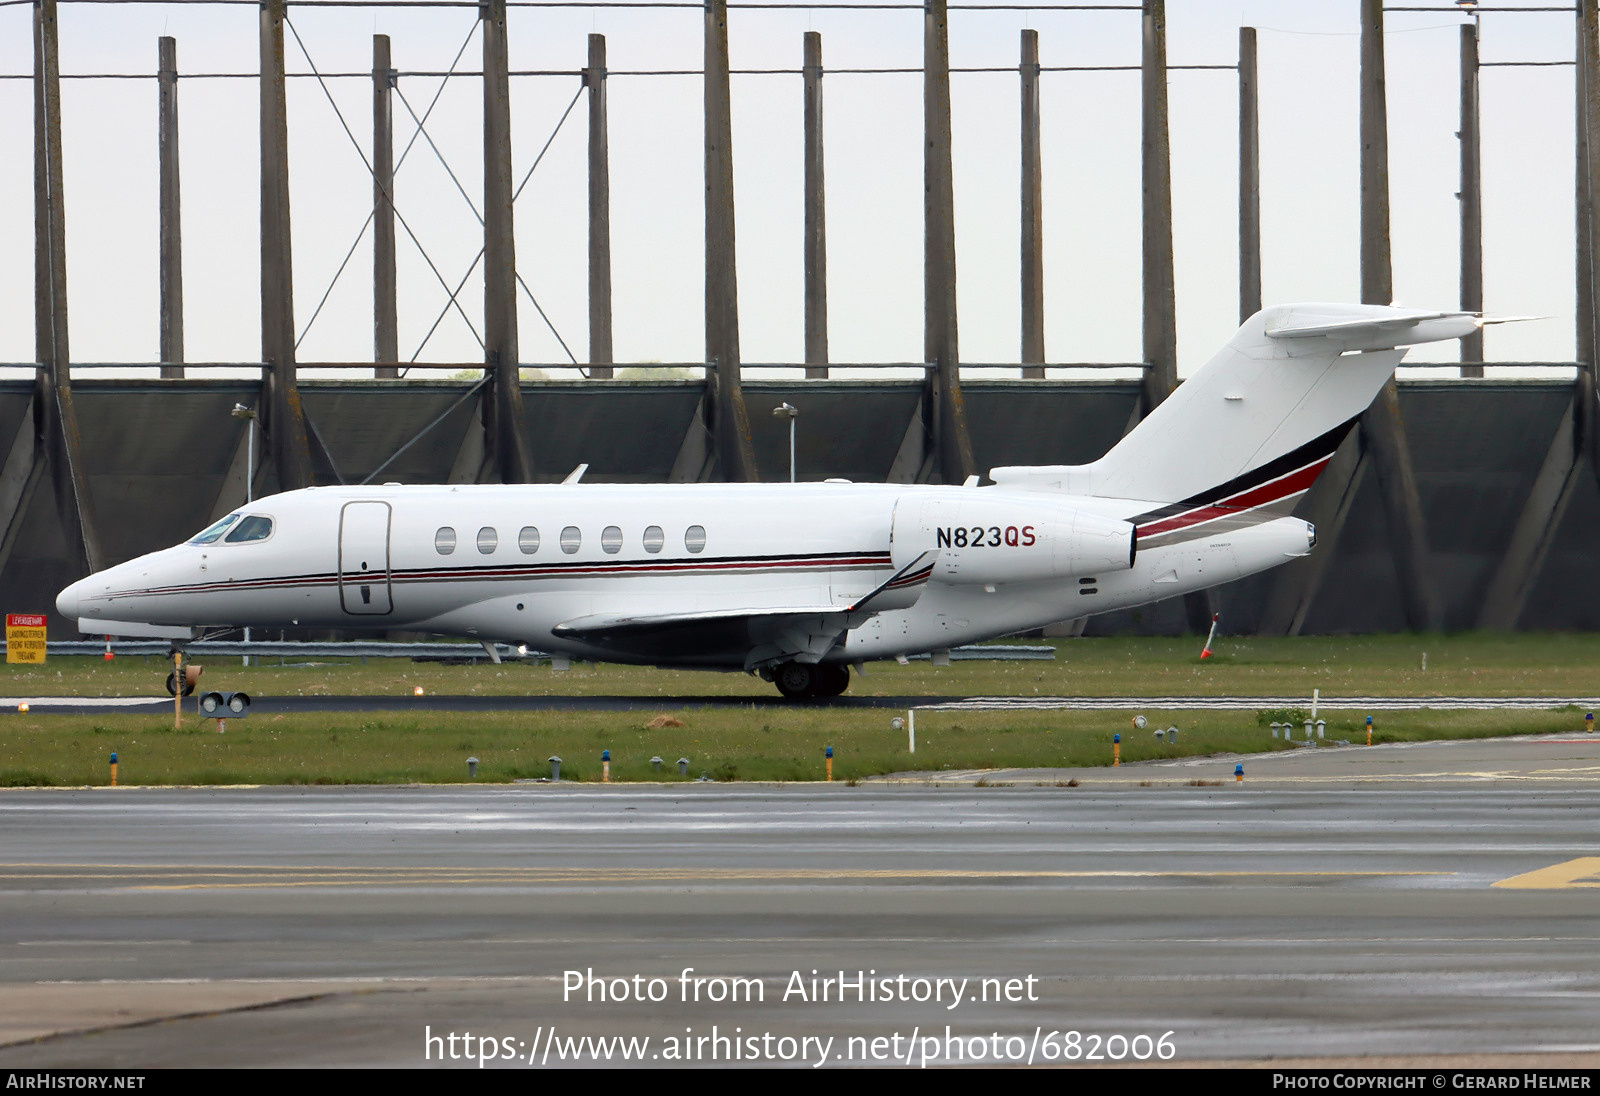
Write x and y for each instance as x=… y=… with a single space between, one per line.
x=254 y=527
x=214 y=533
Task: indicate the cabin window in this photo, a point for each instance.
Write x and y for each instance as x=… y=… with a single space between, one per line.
x=528 y=540
x=694 y=538
x=611 y=540
x=488 y=540
x=571 y=539
x=254 y=527
x=213 y=533
x=654 y=538
x=444 y=541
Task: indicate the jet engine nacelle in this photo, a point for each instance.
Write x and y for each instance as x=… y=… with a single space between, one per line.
x=989 y=538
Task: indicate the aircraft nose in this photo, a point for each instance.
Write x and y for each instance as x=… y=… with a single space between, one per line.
x=67 y=600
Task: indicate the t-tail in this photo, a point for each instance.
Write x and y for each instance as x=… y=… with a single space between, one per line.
x=1246 y=435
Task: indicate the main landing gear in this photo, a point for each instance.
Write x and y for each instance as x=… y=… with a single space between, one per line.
x=797 y=680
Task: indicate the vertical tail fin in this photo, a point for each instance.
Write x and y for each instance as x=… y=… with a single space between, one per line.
x=1256 y=424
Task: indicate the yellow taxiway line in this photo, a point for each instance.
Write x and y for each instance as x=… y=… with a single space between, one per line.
x=1582 y=872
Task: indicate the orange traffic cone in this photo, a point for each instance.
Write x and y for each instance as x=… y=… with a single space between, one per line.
x=109 y=655
x=1206 y=653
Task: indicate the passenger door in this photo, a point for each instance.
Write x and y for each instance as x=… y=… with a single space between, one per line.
x=364 y=558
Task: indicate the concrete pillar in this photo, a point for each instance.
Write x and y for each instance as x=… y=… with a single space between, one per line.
x=171 y=219
x=1160 y=303
x=507 y=458
x=385 y=311
x=1377 y=282
x=57 y=441
x=816 y=223
x=594 y=78
x=1583 y=265
x=946 y=409
x=733 y=450
x=284 y=422
x=1249 y=179
x=1032 y=214
x=1382 y=429
x=1471 y=200
x=1588 y=114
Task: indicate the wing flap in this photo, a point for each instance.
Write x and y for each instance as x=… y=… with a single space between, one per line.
x=748 y=636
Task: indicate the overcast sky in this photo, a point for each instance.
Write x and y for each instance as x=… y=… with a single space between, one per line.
x=1308 y=61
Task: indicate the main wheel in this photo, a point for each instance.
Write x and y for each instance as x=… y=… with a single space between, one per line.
x=795 y=680
x=172 y=685
x=832 y=678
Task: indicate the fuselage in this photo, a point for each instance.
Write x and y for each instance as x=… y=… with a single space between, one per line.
x=514 y=563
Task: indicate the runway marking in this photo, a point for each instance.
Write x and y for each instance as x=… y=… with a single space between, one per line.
x=1582 y=872
x=239 y=877
x=1202 y=703
x=80 y=701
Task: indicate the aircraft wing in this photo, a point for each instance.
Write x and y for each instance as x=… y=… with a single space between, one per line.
x=752 y=636
x=748 y=637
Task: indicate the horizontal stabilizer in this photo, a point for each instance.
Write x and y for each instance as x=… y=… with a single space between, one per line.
x=1377 y=330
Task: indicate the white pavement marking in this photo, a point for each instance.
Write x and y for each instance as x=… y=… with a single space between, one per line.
x=1204 y=703
x=81 y=701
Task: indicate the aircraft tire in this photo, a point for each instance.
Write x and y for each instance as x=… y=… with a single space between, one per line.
x=795 y=680
x=833 y=678
x=172 y=685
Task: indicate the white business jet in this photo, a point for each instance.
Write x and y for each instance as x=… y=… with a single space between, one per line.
x=796 y=582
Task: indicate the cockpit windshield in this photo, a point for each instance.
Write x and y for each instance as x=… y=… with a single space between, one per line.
x=214 y=533
x=236 y=529
x=254 y=527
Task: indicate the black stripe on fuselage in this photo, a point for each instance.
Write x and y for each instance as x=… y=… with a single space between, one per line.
x=1314 y=450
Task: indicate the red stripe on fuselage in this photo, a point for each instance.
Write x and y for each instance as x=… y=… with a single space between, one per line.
x=1292 y=484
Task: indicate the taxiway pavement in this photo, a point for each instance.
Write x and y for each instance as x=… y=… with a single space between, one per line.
x=1322 y=915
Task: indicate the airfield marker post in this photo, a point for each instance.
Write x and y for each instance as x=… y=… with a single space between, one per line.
x=911 y=727
x=1369 y=730
x=830 y=763
x=1116 y=751
x=605 y=766
x=1238 y=773
x=113 y=770
x=1588 y=723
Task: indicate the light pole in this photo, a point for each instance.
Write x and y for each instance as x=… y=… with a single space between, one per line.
x=248 y=414
x=243 y=413
x=788 y=411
